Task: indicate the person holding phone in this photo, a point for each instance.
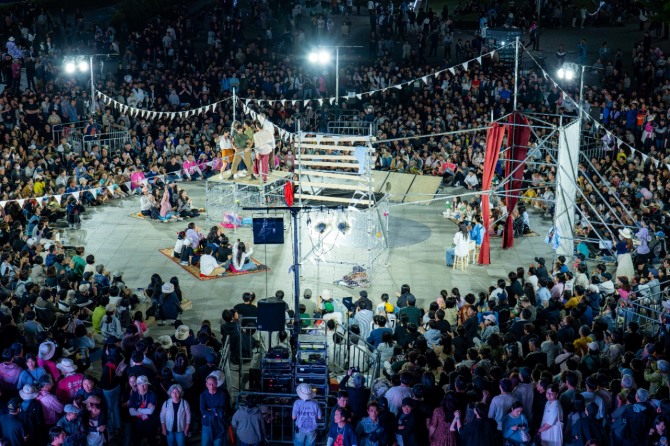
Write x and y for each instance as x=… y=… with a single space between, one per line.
x=515 y=425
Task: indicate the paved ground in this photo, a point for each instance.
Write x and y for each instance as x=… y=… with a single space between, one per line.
x=131 y=245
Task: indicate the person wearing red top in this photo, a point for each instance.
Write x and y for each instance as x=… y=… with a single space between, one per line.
x=70 y=383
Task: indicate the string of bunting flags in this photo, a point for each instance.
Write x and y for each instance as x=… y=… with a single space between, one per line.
x=289 y=136
x=331 y=100
x=596 y=124
x=150 y=114
x=284 y=134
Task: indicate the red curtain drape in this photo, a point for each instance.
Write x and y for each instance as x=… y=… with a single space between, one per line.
x=519 y=133
x=494 y=138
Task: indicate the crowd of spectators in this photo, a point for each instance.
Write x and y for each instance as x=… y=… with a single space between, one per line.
x=539 y=342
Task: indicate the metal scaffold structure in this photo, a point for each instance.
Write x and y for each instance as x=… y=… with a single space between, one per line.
x=336 y=170
x=224 y=198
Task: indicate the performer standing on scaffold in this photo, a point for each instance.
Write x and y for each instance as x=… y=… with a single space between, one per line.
x=242 y=145
x=225 y=144
x=263 y=143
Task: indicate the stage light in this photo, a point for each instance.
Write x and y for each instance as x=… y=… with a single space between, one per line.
x=82 y=65
x=70 y=67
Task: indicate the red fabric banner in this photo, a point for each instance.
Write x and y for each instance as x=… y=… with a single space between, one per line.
x=494 y=139
x=519 y=134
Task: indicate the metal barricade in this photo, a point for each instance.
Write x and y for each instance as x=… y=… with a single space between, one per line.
x=76 y=141
x=65 y=129
x=277 y=410
x=113 y=140
x=357 y=354
x=352 y=127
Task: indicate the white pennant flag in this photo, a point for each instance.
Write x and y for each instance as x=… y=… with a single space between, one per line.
x=399 y=86
x=336 y=140
x=94 y=192
x=128 y=184
x=246 y=102
x=3 y=204
x=283 y=102
x=465 y=65
x=172 y=115
x=21 y=201
x=320 y=101
x=305 y=102
x=293 y=102
x=110 y=189
x=58 y=198
x=492 y=53
x=479 y=60
x=425 y=80
x=452 y=70
x=76 y=195
x=331 y=101
x=359 y=95
x=245 y=109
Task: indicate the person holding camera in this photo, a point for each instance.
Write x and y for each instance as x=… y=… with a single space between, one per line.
x=359 y=395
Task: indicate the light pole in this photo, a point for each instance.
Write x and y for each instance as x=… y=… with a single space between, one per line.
x=74 y=63
x=322 y=57
x=568 y=71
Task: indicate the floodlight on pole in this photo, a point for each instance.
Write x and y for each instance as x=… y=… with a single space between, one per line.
x=322 y=56
x=83 y=63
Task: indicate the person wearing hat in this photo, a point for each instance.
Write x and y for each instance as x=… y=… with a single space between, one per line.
x=175 y=417
x=214 y=407
x=624 y=250
x=637 y=417
x=168 y=303
x=13 y=428
x=31 y=411
x=308 y=302
x=71 y=422
x=183 y=336
x=45 y=354
x=110 y=326
x=306 y=413
x=96 y=421
x=142 y=409
x=70 y=382
x=359 y=394
x=657 y=374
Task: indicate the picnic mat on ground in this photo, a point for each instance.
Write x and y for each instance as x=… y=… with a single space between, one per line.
x=140 y=216
x=195 y=270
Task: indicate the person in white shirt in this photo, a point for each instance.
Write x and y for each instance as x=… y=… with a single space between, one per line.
x=241 y=260
x=263 y=143
x=209 y=266
x=471 y=181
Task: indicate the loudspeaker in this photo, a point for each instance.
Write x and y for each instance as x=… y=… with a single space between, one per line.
x=271 y=315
